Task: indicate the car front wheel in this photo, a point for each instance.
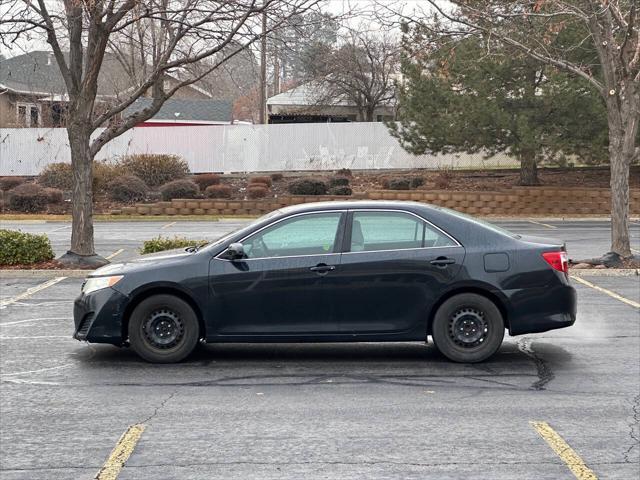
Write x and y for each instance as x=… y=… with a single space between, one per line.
x=468 y=328
x=163 y=329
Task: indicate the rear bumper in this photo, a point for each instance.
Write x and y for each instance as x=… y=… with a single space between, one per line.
x=98 y=316
x=535 y=310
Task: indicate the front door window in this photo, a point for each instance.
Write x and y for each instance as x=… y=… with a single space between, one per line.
x=309 y=234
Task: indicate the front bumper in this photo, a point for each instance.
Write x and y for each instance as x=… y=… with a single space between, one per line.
x=535 y=310
x=98 y=316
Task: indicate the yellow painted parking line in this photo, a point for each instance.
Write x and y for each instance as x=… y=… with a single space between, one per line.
x=29 y=292
x=608 y=292
x=121 y=453
x=169 y=225
x=114 y=254
x=546 y=225
x=567 y=454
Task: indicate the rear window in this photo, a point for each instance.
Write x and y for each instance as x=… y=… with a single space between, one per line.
x=478 y=221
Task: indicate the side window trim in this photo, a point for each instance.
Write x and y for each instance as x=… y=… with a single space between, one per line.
x=346 y=244
x=340 y=235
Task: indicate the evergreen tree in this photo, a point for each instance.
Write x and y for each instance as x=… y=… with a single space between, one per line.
x=473 y=95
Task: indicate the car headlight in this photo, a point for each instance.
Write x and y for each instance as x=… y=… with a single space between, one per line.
x=98 y=283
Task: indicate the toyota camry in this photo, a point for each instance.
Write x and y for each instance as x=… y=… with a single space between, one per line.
x=335 y=272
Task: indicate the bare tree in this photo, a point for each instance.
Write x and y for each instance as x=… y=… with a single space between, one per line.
x=163 y=36
x=362 y=69
x=532 y=27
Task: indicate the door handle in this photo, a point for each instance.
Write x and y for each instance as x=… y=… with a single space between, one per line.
x=442 y=261
x=322 y=268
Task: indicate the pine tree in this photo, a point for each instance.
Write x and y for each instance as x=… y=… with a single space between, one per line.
x=473 y=95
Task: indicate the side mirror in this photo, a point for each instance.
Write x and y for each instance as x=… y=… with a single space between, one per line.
x=235 y=251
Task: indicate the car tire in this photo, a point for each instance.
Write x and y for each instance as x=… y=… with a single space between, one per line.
x=468 y=328
x=163 y=329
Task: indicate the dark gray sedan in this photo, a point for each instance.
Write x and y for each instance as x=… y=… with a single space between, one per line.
x=336 y=272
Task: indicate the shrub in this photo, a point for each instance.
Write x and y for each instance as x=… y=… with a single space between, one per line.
x=218 y=191
x=338 y=181
x=206 y=180
x=7 y=183
x=104 y=173
x=160 y=244
x=179 y=189
x=344 y=172
x=155 y=170
x=416 y=182
x=307 y=186
x=396 y=183
x=57 y=175
x=28 y=197
x=443 y=179
x=265 y=180
x=54 y=195
x=257 y=190
x=127 y=188
x=341 y=190
x=276 y=177
x=263 y=185
x=23 y=248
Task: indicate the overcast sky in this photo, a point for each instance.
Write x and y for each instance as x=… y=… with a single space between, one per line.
x=364 y=14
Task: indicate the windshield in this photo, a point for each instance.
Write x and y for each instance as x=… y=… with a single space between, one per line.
x=246 y=228
x=479 y=221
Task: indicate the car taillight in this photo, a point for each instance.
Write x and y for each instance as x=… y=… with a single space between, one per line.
x=558 y=260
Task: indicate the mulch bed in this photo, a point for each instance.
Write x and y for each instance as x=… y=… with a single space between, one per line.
x=491 y=180
x=629 y=263
x=48 y=265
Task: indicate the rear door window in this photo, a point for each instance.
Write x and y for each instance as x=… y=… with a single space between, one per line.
x=375 y=231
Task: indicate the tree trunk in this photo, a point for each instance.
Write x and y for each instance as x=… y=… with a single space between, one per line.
x=623 y=118
x=620 y=202
x=369 y=114
x=528 y=169
x=82 y=246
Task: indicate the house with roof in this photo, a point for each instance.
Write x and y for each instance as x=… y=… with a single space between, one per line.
x=308 y=103
x=181 y=112
x=33 y=94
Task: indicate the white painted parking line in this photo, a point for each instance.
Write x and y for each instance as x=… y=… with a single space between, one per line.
x=28 y=372
x=114 y=254
x=29 y=337
x=29 y=292
x=546 y=225
x=32 y=320
x=168 y=225
x=608 y=292
x=60 y=228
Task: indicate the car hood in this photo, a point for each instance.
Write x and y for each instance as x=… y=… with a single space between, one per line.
x=144 y=262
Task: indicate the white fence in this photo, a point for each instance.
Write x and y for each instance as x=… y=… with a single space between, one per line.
x=241 y=148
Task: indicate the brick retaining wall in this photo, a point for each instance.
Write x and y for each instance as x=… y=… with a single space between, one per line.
x=513 y=201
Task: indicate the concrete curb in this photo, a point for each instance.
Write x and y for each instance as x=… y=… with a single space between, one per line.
x=44 y=273
x=604 y=272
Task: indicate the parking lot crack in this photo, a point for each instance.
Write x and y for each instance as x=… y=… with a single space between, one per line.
x=159 y=407
x=634 y=430
x=545 y=375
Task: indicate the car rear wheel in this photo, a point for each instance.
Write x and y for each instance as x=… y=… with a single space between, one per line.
x=468 y=328
x=163 y=329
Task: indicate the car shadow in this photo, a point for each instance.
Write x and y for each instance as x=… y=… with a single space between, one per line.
x=408 y=364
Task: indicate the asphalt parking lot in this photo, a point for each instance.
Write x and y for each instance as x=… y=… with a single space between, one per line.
x=321 y=410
